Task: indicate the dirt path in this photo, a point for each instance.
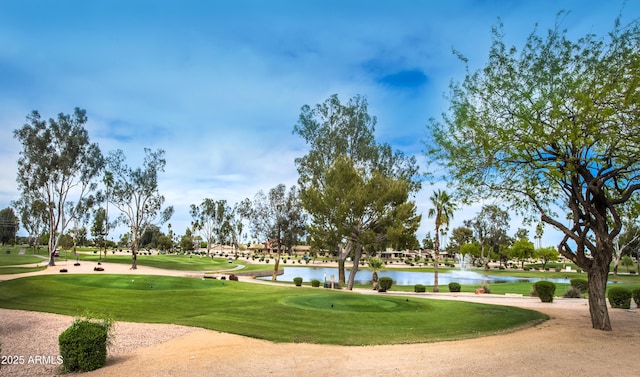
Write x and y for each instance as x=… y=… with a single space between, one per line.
x=563 y=346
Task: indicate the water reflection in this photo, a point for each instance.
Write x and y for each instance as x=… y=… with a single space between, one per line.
x=403 y=277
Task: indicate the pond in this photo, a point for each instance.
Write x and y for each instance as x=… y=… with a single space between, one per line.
x=402 y=277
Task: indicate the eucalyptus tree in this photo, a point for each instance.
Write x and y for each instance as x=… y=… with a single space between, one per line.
x=442 y=213
x=98 y=229
x=58 y=166
x=355 y=190
x=211 y=218
x=33 y=216
x=134 y=192
x=240 y=212
x=553 y=129
x=279 y=219
x=490 y=225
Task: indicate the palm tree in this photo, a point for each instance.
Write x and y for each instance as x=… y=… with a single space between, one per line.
x=375 y=264
x=442 y=211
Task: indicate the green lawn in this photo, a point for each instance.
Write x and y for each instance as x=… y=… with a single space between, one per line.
x=169 y=262
x=15 y=259
x=19 y=270
x=280 y=314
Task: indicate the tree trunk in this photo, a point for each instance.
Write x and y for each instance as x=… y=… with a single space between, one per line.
x=52 y=261
x=374 y=280
x=354 y=269
x=341 y=274
x=276 y=264
x=134 y=259
x=598 y=275
x=436 y=260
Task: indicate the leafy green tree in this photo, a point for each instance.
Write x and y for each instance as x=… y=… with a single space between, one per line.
x=627 y=262
x=99 y=230
x=241 y=212
x=459 y=236
x=472 y=249
x=279 y=219
x=490 y=226
x=553 y=126
x=212 y=218
x=33 y=216
x=9 y=225
x=442 y=213
x=522 y=250
x=186 y=241
x=546 y=255
x=135 y=193
x=427 y=241
x=58 y=163
x=355 y=190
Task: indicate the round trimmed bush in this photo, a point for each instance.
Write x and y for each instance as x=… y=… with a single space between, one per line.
x=384 y=283
x=581 y=284
x=83 y=345
x=454 y=287
x=315 y=283
x=619 y=297
x=545 y=290
x=297 y=281
x=419 y=288
x=635 y=294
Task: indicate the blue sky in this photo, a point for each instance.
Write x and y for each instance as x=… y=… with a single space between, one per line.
x=219 y=84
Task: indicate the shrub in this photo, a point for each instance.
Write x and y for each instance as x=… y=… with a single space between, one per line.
x=315 y=283
x=233 y=277
x=486 y=289
x=545 y=290
x=635 y=294
x=580 y=284
x=573 y=292
x=454 y=287
x=297 y=281
x=619 y=297
x=384 y=283
x=419 y=288
x=83 y=345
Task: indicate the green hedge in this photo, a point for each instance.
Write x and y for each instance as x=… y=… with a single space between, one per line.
x=384 y=284
x=83 y=345
x=419 y=288
x=315 y=283
x=297 y=281
x=619 y=297
x=545 y=290
x=454 y=287
x=635 y=294
x=581 y=284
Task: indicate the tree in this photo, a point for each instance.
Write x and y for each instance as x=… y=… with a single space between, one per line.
x=459 y=236
x=211 y=218
x=58 y=166
x=627 y=261
x=99 y=229
x=135 y=193
x=522 y=249
x=628 y=240
x=33 y=216
x=9 y=225
x=442 y=213
x=240 y=212
x=490 y=225
x=553 y=127
x=546 y=255
x=375 y=264
x=279 y=219
x=356 y=191
x=186 y=241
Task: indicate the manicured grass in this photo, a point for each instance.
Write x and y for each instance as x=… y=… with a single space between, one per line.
x=169 y=262
x=19 y=270
x=15 y=259
x=280 y=314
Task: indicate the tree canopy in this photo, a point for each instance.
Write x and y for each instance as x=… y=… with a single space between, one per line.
x=135 y=193
x=58 y=166
x=552 y=129
x=356 y=190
